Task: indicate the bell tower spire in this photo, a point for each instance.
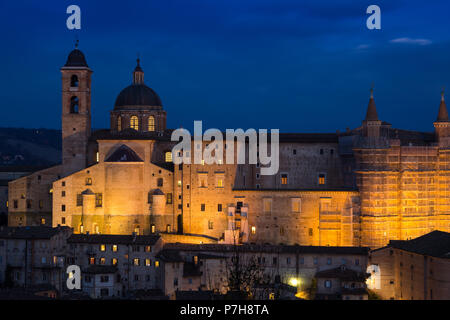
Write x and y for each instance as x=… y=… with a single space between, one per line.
x=371 y=124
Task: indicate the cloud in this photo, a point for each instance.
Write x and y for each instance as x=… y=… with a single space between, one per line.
x=362 y=46
x=422 y=42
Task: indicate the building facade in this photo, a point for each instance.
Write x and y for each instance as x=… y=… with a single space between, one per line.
x=361 y=187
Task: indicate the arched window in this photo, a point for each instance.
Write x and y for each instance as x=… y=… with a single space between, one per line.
x=74 y=81
x=119 y=123
x=74 y=104
x=134 y=123
x=168 y=156
x=151 y=123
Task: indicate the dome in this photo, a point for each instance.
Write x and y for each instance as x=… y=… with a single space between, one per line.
x=137 y=96
x=76 y=59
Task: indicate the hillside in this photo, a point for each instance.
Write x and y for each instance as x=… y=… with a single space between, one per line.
x=30 y=147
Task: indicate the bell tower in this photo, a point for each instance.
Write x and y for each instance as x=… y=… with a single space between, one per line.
x=76 y=111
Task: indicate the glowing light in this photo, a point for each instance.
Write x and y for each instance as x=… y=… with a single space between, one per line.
x=294 y=282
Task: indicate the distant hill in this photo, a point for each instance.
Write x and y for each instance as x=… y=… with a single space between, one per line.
x=30 y=147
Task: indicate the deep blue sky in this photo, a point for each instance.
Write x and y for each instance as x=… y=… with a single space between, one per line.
x=301 y=66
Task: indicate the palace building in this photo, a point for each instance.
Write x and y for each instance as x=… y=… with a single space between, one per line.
x=362 y=187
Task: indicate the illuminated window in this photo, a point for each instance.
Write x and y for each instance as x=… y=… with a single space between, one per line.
x=136 y=261
x=169 y=198
x=134 y=123
x=168 y=228
x=91 y=260
x=148 y=262
x=284 y=178
x=179 y=183
x=96 y=229
x=42 y=221
x=102 y=247
x=137 y=230
x=119 y=123
x=97 y=156
x=98 y=199
x=151 y=123
x=148 y=249
x=253 y=230
x=88 y=181
x=321 y=178
x=114 y=261
x=202 y=180
x=81 y=228
x=153 y=228
x=156 y=263
x=102 y=260
x=168 y=156
x=114 y=248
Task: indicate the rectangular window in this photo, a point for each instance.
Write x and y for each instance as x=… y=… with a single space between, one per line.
x=63 y=220
x=253 y=230
x=41 y=204
x=79 y=200
x=148 y=262
x=284 y=178
x=114 y=261
x=296 y=204
x=148 y=249
x=91 y=260
x=29 y=202
x=210 y=225
x=15 y=204
x=102 y=247
x=169 y=198
x=136 y=261
x=202 y=180
x=114 y=248
x=88 y=181
x=98 y=199
x=63 y=193
x=219 y=207
x=327 y=283
x=202 y=207
x=102 y=260
x=267 y=204
x=321 y=178
x=63 y=207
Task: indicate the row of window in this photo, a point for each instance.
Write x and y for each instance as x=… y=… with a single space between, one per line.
x=29 y=204
x=114 y=261
x=134 y=123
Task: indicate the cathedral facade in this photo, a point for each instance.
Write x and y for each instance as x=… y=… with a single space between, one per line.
x=362 y=187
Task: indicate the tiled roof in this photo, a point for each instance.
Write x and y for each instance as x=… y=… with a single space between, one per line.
x=113 y=239
x=434 y=244
x=169 y=256
x=267 y=248
x=343 y=273
x=37 y=232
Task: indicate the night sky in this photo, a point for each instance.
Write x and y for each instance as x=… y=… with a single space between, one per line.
x=300 y=66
